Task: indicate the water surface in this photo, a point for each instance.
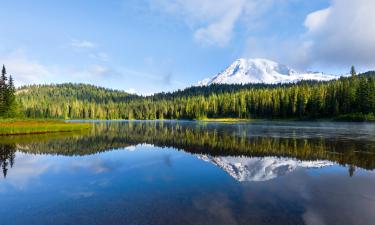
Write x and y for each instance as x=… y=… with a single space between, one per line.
x=169 y=172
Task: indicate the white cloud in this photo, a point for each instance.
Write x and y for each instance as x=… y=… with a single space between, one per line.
x=25 y=70
x=220 y=32
x=213 y=21
x=88 y=47
x=93 y=73
x=315 y=20
x=82 y=44
x=342 y=34
x=99 y=55
x=335 y=38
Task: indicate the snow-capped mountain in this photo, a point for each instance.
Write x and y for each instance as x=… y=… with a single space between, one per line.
x=243 y=71
x=260 y=168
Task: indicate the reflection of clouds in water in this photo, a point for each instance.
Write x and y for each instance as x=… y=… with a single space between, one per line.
x=28 y=168
x=94 y=165
x=330 y=198
x=216 y=206
x=339 y=200
x=143 y=164
x=312 y=218
x=103 y=183
x=80 y=194
x=131 y=148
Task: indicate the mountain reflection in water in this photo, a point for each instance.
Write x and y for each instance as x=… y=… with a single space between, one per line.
x=278 y=147
x=260 y=168
x=177 y=172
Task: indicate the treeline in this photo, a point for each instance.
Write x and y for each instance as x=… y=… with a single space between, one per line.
x=8 y=104
x=80 y=92
x=71 y=101
x=347 y=98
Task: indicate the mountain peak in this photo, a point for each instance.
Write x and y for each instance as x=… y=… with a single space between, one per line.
x=259 y=70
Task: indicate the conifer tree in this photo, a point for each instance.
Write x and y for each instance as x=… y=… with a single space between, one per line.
x=10 y=98
x=3 y=91
x=353 y=72
x=8 y=104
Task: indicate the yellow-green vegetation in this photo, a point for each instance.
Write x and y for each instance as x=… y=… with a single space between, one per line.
x=226 y=120
x=18 y=127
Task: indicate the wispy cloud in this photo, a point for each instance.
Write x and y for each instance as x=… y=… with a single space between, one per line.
x=82 y=44
x=27 y=70
x=24 y=69
x=213 y=22
x=102 y=56
x=91 y=49
x=94 y=74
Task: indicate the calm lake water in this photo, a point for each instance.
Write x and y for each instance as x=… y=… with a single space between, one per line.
x=173 y=172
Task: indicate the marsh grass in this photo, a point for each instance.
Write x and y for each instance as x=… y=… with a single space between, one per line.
x=19 y=127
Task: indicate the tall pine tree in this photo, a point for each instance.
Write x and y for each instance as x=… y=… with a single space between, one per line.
x=3 y=91
x=10 y=100
x=8 y=104
x=353 y=72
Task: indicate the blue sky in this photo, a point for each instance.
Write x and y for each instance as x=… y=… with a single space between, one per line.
x=149 y=46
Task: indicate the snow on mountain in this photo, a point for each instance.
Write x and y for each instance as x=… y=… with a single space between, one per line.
x=260 y=168
x=244 y=71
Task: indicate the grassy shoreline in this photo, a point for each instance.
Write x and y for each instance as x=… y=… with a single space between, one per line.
x=343 y=118
x=226 y=120
x=22 y=127
x=25 y=126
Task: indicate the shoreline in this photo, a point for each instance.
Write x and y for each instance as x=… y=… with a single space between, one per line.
x=229 y=120
x=11 y=127
x=18 y=127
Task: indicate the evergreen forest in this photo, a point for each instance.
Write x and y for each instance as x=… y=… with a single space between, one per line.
x=347 y=98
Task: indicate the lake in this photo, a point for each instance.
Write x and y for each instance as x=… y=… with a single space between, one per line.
x=183 y=172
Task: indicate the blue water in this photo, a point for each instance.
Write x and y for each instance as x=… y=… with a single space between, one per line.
x=144 y=182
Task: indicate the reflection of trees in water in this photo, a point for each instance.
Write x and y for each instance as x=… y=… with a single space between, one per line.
x=351 y=170
x=213 y=140
x=7 y=157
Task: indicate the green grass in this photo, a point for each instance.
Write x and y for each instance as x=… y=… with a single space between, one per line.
x=357 y=117
x=19 y=127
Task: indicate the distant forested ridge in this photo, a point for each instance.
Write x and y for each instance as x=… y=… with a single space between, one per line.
x=73 y=101
x=347 y=98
